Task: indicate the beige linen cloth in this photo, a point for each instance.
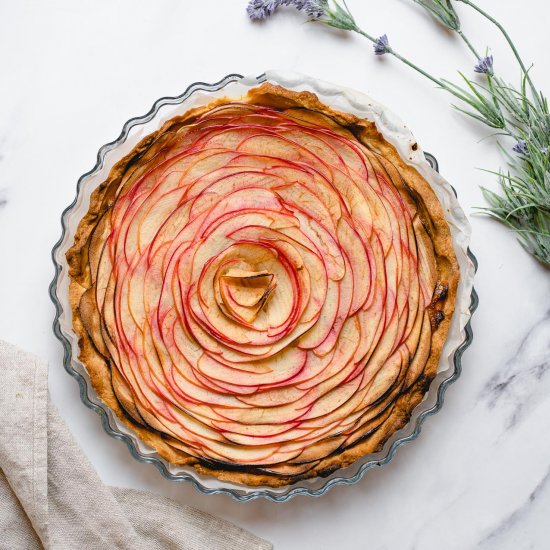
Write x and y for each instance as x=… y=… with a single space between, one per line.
x=51 y=497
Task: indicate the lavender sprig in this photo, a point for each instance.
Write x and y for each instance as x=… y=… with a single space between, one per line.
x=485 y=65
x=261 y=9
x=442 y=10
x=381 y=45
x=334 y=15
x=524 y=204
x=315 y=9
x=445 y=13
x=521 y=148
x=508 y=39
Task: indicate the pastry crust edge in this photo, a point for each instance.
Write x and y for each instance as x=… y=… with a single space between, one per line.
x=431 y=213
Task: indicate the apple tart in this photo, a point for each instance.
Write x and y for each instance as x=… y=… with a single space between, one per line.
x=262 y=288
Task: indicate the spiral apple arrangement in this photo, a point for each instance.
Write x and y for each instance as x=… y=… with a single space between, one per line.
x=263 y=289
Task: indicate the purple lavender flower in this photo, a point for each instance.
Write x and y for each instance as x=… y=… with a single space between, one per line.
x=546 y=151
x=315 y=9
x=298 y=4
x=259 y=10
x=521 y=148
x=485 y=66
x=381 y=46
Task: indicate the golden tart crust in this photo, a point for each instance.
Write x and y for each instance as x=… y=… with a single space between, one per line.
x=389 y=412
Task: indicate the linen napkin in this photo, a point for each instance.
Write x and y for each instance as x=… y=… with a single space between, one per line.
x=51 y=497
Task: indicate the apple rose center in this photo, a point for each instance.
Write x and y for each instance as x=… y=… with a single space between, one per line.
x=263 y=289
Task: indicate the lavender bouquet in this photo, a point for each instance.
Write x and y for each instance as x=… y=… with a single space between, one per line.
x=519 y=113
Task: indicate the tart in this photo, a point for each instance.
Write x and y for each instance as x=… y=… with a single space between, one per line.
x=262 y=288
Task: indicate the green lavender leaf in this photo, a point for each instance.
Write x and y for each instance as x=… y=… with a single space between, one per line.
x=443 y=11
x=520 y=114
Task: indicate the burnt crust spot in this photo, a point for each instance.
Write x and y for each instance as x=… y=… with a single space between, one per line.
x=440 y=292
x=436 y=317
x=325 y=472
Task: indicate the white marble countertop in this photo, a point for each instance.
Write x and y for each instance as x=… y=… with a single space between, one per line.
x=73 y=72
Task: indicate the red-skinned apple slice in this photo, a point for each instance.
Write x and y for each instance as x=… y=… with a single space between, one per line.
x=259 y=287
x=275 y=370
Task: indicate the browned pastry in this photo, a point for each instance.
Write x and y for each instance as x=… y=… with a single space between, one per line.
x=262 y=288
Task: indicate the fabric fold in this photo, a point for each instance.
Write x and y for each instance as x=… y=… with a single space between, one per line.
x=51 y=497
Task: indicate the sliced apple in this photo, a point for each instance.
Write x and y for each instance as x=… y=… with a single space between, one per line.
x=259 y=286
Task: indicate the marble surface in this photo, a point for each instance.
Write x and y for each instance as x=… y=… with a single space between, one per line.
x=72 y=73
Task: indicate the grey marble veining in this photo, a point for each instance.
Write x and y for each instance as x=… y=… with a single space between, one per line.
x=524 y=380
x=515 y=522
